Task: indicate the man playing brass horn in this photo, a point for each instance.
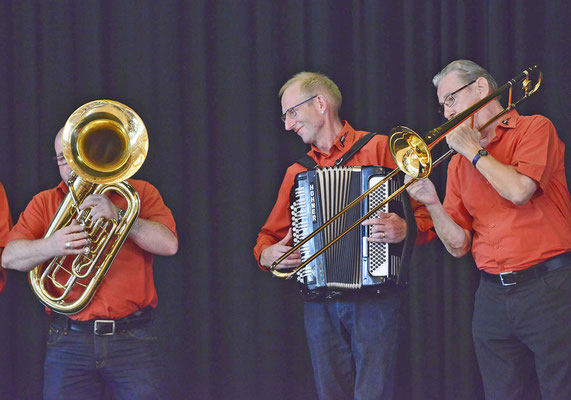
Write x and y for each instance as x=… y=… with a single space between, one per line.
x=352 y=337
x=110 y=342
x=507 y=201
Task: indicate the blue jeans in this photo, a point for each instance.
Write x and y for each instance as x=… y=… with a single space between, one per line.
x=522 y=333
x=80 y=365
x=353 y=341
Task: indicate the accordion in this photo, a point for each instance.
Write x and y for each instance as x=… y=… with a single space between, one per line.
x=352 y=262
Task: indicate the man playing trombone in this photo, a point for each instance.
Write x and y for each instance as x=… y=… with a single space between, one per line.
x=352 y=337
x=507 y=201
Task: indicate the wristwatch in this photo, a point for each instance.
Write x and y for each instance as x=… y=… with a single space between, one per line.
x=480 y=153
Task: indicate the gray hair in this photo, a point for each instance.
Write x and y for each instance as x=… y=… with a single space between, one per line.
x=311 y=83
x=467 y=72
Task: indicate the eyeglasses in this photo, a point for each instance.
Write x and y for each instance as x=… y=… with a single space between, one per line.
x=60 y=159
x=450 y=99
x=290 y=112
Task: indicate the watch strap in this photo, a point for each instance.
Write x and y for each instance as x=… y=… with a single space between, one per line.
x=480 y=153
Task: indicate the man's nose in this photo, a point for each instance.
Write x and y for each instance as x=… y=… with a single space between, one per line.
x=449 y=112
x=289 y=123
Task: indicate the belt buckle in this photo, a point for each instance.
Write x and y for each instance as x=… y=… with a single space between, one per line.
x=99 y=323
x=509 y=273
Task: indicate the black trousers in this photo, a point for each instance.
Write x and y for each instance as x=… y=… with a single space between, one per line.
x=522 y=332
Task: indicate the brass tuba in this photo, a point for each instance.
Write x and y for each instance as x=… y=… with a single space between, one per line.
x=104 y=142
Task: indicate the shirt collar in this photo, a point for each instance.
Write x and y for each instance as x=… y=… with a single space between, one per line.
x=343 y=142
x=508 y=121
x=62 y=188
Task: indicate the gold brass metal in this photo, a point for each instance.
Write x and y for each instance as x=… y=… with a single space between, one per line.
x=104 y=142
x=412 y=154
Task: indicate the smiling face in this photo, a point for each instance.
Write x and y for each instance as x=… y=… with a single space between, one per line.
x=308 y=120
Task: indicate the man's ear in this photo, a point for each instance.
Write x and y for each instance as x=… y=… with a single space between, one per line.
x=482 y=87
x=322 y=101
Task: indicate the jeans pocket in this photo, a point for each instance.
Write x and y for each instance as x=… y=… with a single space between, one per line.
x=559 y=279
x=145 y=334
x=55 y=335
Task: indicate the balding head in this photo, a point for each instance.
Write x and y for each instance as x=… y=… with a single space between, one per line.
x=58 y=139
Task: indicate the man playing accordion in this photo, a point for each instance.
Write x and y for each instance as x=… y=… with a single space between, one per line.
x=352 y=337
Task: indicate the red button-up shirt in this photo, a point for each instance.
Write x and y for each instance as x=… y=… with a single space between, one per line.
x=508 y=237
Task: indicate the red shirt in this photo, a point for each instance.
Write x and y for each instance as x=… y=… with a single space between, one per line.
x=376 y=152
x=128 y=285
x=509 y=237
x=5 y=226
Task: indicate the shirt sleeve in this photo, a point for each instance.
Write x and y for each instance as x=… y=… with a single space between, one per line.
x=5 y=226
x=5 y=218
x=424 y=222
x=279 y=220
x=153 y=207
x=32 y=222
x=2 y=279
x=539 y=151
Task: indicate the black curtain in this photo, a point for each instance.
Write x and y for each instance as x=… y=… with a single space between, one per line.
x=204 y=76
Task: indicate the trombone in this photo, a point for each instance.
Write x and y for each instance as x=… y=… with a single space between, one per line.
x=412 y=155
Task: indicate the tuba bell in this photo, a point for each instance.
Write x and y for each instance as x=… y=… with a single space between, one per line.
x=104 y=142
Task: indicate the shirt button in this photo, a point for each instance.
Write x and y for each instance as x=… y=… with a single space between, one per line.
x=496 y=247
x=492 y=225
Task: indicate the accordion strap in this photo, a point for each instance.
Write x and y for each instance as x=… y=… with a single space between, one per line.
x=309 y=163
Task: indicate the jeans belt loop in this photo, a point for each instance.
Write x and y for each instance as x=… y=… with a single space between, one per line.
x=103 y=322
x=509 y=273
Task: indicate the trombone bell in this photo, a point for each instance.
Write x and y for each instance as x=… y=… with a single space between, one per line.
x=410 y=152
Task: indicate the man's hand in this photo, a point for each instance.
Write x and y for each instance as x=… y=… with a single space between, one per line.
x=386 y=228
x=69 y=240
x=101 y=206
x=422 y=190
x=465 y=140
x=272 y=253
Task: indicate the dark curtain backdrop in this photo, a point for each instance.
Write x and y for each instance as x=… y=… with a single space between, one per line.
x=204 y=76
